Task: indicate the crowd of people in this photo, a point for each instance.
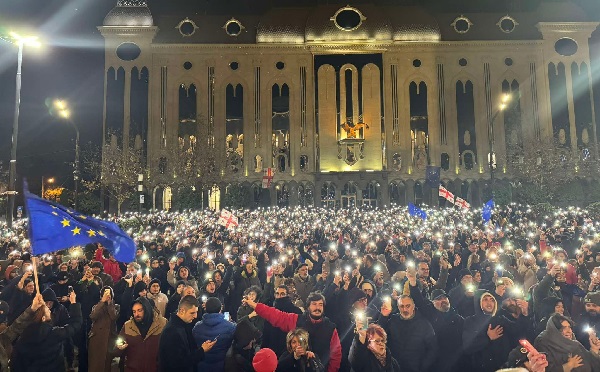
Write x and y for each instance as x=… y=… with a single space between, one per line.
x=310 y=289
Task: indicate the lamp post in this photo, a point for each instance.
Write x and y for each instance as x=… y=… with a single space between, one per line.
x=47 y=180
x=492 y=156
x=20 y=42
x=63 y=112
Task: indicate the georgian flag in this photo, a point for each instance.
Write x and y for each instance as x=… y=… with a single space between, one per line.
x=267 y=178
x=460 y=202
x=227 y=219
x=446 y=194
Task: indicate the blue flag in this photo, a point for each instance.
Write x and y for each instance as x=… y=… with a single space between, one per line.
x=486 y=211
x=53 y=227
x=413 y=210
x=432 y=176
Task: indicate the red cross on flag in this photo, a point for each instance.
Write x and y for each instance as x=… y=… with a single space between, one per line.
x=446 y=194
x=460 y=202
x=227 y=219
x=267 y=177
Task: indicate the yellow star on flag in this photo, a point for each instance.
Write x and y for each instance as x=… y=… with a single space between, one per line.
x=91 y=233
x=101 y=233
x=65 y=222
x=76 y=231
x=82 y=217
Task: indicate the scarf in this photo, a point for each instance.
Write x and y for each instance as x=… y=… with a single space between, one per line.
x=380 y=357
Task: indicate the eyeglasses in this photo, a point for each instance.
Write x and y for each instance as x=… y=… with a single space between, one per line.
x=379 y=341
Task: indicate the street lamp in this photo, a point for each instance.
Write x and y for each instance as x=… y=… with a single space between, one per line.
x=62 y=108
x=47 y=180
x=505 y=100
x=20 y=42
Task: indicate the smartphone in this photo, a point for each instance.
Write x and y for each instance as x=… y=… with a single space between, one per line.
x=528 y=346
x=227 y=317
x=365 y=324
x=70 y=289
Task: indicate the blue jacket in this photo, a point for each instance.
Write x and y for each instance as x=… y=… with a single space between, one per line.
x=211 y=326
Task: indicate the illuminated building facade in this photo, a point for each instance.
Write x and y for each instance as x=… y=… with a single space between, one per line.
x=348 y=103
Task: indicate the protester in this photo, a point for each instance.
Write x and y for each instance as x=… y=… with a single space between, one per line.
x=214 y=327
x=324 y=339
x=359 y=260
x=40 y=347
x=563 y=351
x=177 y=348
x=103 y=332
x=139 y=338
x=369 y=351
x=299 y=357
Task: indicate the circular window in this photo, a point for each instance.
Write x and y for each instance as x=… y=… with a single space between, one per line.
x=187 y=27
x=462 y=24
x=128 y=51
x=417 y=63
x=566 y=47
x=233 y=27
x=508 y=61
x=507 y=24
x=280 y=65
x=187 y=65
x=463 y=62
x=348 y=18
x=234 y=65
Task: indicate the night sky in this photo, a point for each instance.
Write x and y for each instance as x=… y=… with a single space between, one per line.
x=71 y=63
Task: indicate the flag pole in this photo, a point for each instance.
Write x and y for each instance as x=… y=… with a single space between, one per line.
x=35 y=274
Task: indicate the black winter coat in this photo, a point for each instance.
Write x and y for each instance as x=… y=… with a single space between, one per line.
x=514 y=329
x=448 y=328
x=363 y=360
x=274 y=338
x=177 y=351
x=412 y=341
x=40 y=347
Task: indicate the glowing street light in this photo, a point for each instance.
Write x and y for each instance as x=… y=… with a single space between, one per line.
x=62 y=108
x=20 y=41
x=44 y=182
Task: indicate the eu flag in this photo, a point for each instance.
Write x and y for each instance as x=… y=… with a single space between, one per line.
x=432 y=176
x=413 y=210
x=53 y=227
x=486 y=211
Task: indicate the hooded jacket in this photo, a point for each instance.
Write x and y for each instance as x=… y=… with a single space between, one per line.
x=209 y=328
x=475 y=339
x=513 y=330
x=60 y=315
x=40 y=347
x=141 y=353
x=557 y=349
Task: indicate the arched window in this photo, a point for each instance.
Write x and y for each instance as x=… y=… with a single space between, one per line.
x=418 y=193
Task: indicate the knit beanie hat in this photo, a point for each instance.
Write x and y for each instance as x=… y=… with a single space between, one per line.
x=138 y=287
x=265 y=361
x=464 y=272
x=354 y=295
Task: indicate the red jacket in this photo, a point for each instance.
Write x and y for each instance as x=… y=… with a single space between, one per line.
x=112 y=268
x=287 y=322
